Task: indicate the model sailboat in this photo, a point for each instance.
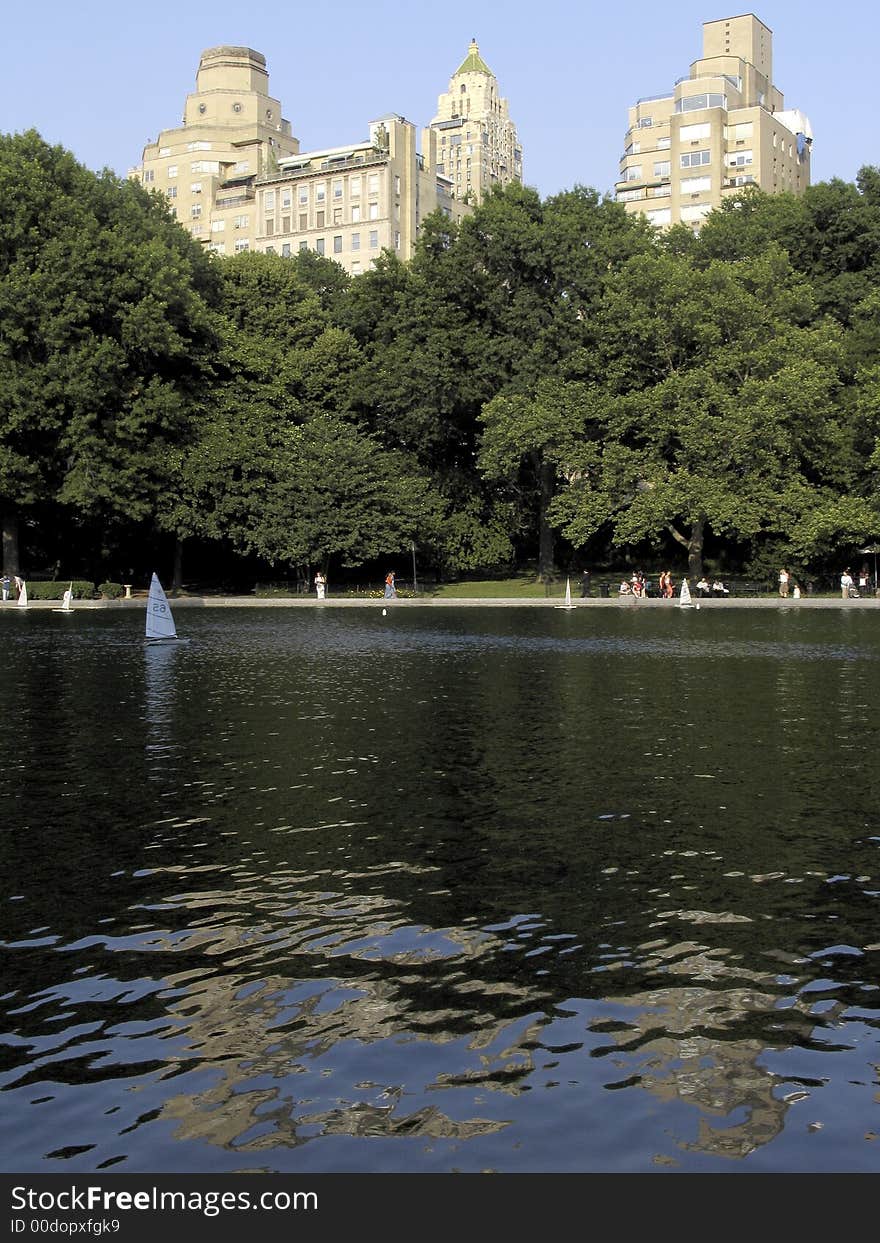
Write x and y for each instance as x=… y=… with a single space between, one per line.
x=684 y=598
x=568 y=604
x=22 y=595
x=160 y=623
x=66 y=605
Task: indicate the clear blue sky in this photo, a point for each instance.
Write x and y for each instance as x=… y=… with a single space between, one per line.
x=103 y=78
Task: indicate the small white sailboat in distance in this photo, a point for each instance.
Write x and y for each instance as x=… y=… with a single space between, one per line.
x=684 y=598
x=160 y=622
x=66 y=606
x=568 y=604
x=22 y=595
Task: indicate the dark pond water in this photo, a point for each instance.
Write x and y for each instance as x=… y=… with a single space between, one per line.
x=483 y=889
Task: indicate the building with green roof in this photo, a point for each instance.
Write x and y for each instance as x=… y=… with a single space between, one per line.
x=477 y=145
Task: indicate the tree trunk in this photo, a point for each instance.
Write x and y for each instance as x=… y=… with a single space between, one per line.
x=10 y=544
x=694 y=545
x=547 y=479
x=177 y=579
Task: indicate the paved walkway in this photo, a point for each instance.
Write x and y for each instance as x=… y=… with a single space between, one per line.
x=421 y=602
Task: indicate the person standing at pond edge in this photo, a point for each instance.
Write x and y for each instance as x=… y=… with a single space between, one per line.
x=846 y=584
x=320 y=585
x=5 y=584
x=783 y=583
x=390 y=589
x=585 y=584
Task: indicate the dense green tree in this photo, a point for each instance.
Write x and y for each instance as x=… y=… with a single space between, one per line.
x=106 y=337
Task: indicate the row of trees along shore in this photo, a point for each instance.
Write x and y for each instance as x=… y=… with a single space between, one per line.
x=551 y=382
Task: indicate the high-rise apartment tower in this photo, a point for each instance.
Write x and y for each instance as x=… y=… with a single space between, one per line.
x=235 y=177
x=723 y=127
x=477 y=146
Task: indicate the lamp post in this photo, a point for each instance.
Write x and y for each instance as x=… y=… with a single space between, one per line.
x=415 y=583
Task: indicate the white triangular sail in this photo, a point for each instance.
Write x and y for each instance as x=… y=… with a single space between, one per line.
x=66 y=599
x=22 y=595
x=685 y=594
x=568 y=604
x=160 y=623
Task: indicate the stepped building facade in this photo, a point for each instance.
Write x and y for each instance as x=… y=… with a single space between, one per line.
x=723 y=127
x=477 y=143
x=235 y=177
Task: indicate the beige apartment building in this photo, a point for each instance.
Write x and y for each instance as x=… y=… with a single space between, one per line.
x=477 y=142
x=723 y=127
x=349 y=203
x=232 y=132
x=234 y=176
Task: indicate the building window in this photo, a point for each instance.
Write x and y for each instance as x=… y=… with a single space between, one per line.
x=303 y=221
x=355 y=241
x=270 y=227
x=695 y=185
x=355 y=267
x=172 y=170
x=285 y=224
x=303 y=246
x=397 y=185
x=149 y=175
x=217 y=226
x=195 y=229
x=164 y=150
x=319 y=220
x=627 y=196
x=693 y=133
x=397 y=241
x=690 y=215
x=337 y=189
x=337 y=215
x=633 y=173
x=663 y=215
x=374 y=239
x=285 y=250
x=662 y=168
x=269 y=200
x=241 y=243
x=195 y=211
x=374 y=211
x=320 y=192
x=693 y=103
x=319 y=245
x=241 y=222
x=195 y=187
x=198 y=146
x=219 y=248
x=740 y=158
x=695 y=159
x=337 y=244
x=243 y=166
x=171 y=192
x=270 y=250
x=285 y=200
x=354 y=186
x=304 y=194
x=373 y=183
x=663 y=144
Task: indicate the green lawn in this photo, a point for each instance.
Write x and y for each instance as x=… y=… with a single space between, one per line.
x=505 y=588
